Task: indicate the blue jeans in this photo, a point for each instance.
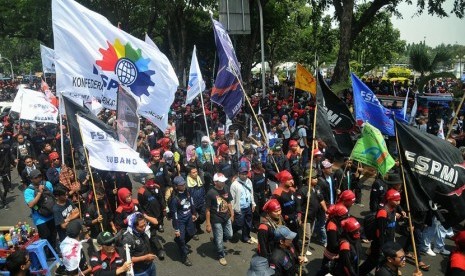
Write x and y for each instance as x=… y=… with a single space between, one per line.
x=436 y=233
x=221 y=232
x=243 y=222
x=320 y=229
x=151 y=271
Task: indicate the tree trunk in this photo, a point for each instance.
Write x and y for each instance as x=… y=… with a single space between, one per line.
x=341 y=71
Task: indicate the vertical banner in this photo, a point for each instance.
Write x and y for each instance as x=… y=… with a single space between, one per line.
x=127 y=120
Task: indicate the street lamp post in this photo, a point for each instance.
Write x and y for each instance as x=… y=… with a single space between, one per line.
x=11 y=66
x=262 y=48
x=460 y=65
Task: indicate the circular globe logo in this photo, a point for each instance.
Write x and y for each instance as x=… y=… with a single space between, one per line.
x=126 y=71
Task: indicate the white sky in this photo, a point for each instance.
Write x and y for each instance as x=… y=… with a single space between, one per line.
x=449 y=30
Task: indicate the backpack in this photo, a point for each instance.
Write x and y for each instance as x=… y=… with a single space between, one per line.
x=295 y=134
x=46 y=202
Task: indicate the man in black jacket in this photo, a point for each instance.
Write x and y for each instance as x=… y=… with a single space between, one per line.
x=5 y=172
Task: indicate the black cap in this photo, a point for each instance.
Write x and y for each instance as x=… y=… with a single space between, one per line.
x=105 y=238
x=34 y=173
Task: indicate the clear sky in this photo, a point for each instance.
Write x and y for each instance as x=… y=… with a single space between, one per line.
x=414 y=28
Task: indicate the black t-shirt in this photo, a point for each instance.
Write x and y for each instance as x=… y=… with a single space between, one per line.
x=384 y=270
x=60 y=213
x=315 y=202
x=217 y=201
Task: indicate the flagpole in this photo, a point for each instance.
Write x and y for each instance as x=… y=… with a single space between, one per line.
x=91 y=178
x=74 y=168
x=455 y=116
x=408 y=205
x=205 y=119
x=314 y=144
x=61 y=129
x=256 y=119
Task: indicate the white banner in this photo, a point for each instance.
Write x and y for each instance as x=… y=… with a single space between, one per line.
x=196 y=85
x=48 y=59
x=94 y=58
x=17 y=102
x=35 y=107
x=106 y=153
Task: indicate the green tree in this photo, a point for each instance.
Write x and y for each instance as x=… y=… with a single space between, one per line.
x=427 y=61
x=350 y=26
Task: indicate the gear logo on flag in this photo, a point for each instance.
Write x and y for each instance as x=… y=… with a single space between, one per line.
x=129 y=65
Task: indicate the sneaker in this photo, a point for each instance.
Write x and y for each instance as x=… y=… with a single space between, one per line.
x=430 y=252
x=187 y=262
x=223 y=262
x=254 y=240
x=308 y=253
x=305 y=260
x=161 y=255
x=195 y=237
x=6 y=207
x=442 y=251
x=361 y=205
x=250 y=241
x=161 y=229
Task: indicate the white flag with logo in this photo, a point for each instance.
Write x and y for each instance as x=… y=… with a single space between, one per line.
x=106 y=153
x=196 y=85
x=35 y=107
x=93 y=58
x=48 y=59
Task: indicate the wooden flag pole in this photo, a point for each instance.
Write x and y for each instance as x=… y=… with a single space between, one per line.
x=256 y=119
x=314 y=145
x=408 y=205
x=74 y=169
x=455 y=116
x=91 y=178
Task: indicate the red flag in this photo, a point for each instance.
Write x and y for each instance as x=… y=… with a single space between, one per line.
x=48 y=94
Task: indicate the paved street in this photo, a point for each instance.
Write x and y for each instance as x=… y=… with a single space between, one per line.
x=203 y=252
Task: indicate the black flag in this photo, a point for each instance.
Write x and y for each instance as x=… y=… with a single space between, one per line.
x=72 y=108
x=434 y=172
x=323 y=128
x=339 y=115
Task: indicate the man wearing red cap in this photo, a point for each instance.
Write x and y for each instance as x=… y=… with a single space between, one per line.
x=456 y=266
x=347 y=198
x=385 y=230
x=286 y=195
x=269 y=223
x=53 y=173
x=226 y=163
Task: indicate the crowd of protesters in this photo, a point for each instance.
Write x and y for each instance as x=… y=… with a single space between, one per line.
x=250 y=175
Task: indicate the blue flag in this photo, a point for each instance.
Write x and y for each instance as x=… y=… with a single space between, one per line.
x=227 y=91
x=369 y=109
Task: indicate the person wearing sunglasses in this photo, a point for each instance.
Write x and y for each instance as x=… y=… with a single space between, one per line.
x=110 y=260
x=394 y=259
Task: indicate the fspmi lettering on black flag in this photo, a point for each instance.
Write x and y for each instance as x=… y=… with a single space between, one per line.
x=434 y=173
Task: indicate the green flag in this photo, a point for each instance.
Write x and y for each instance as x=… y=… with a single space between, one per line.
x=371 y=150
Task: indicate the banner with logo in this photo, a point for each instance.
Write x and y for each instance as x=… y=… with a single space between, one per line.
x=304 y=80
x=106 y=153
x=227 y=90
x=35 y=107
x=435 y=173
x=371 y=150
x=196 y=85
x=150 y=42
x=339 y=116
x=127 y=120
x=94 y=58
x=369 y=109
x=48 y=59
x=17 y=102
x=323 y=128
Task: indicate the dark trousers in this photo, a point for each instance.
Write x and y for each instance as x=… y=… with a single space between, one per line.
x=48 y=231
x=200 y=216
x=243 y=222
x=5 y=181
x=155 y=240
x=186 y=231
x=372 y=261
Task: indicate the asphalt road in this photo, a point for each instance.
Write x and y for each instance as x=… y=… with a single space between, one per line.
x=203 y=254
